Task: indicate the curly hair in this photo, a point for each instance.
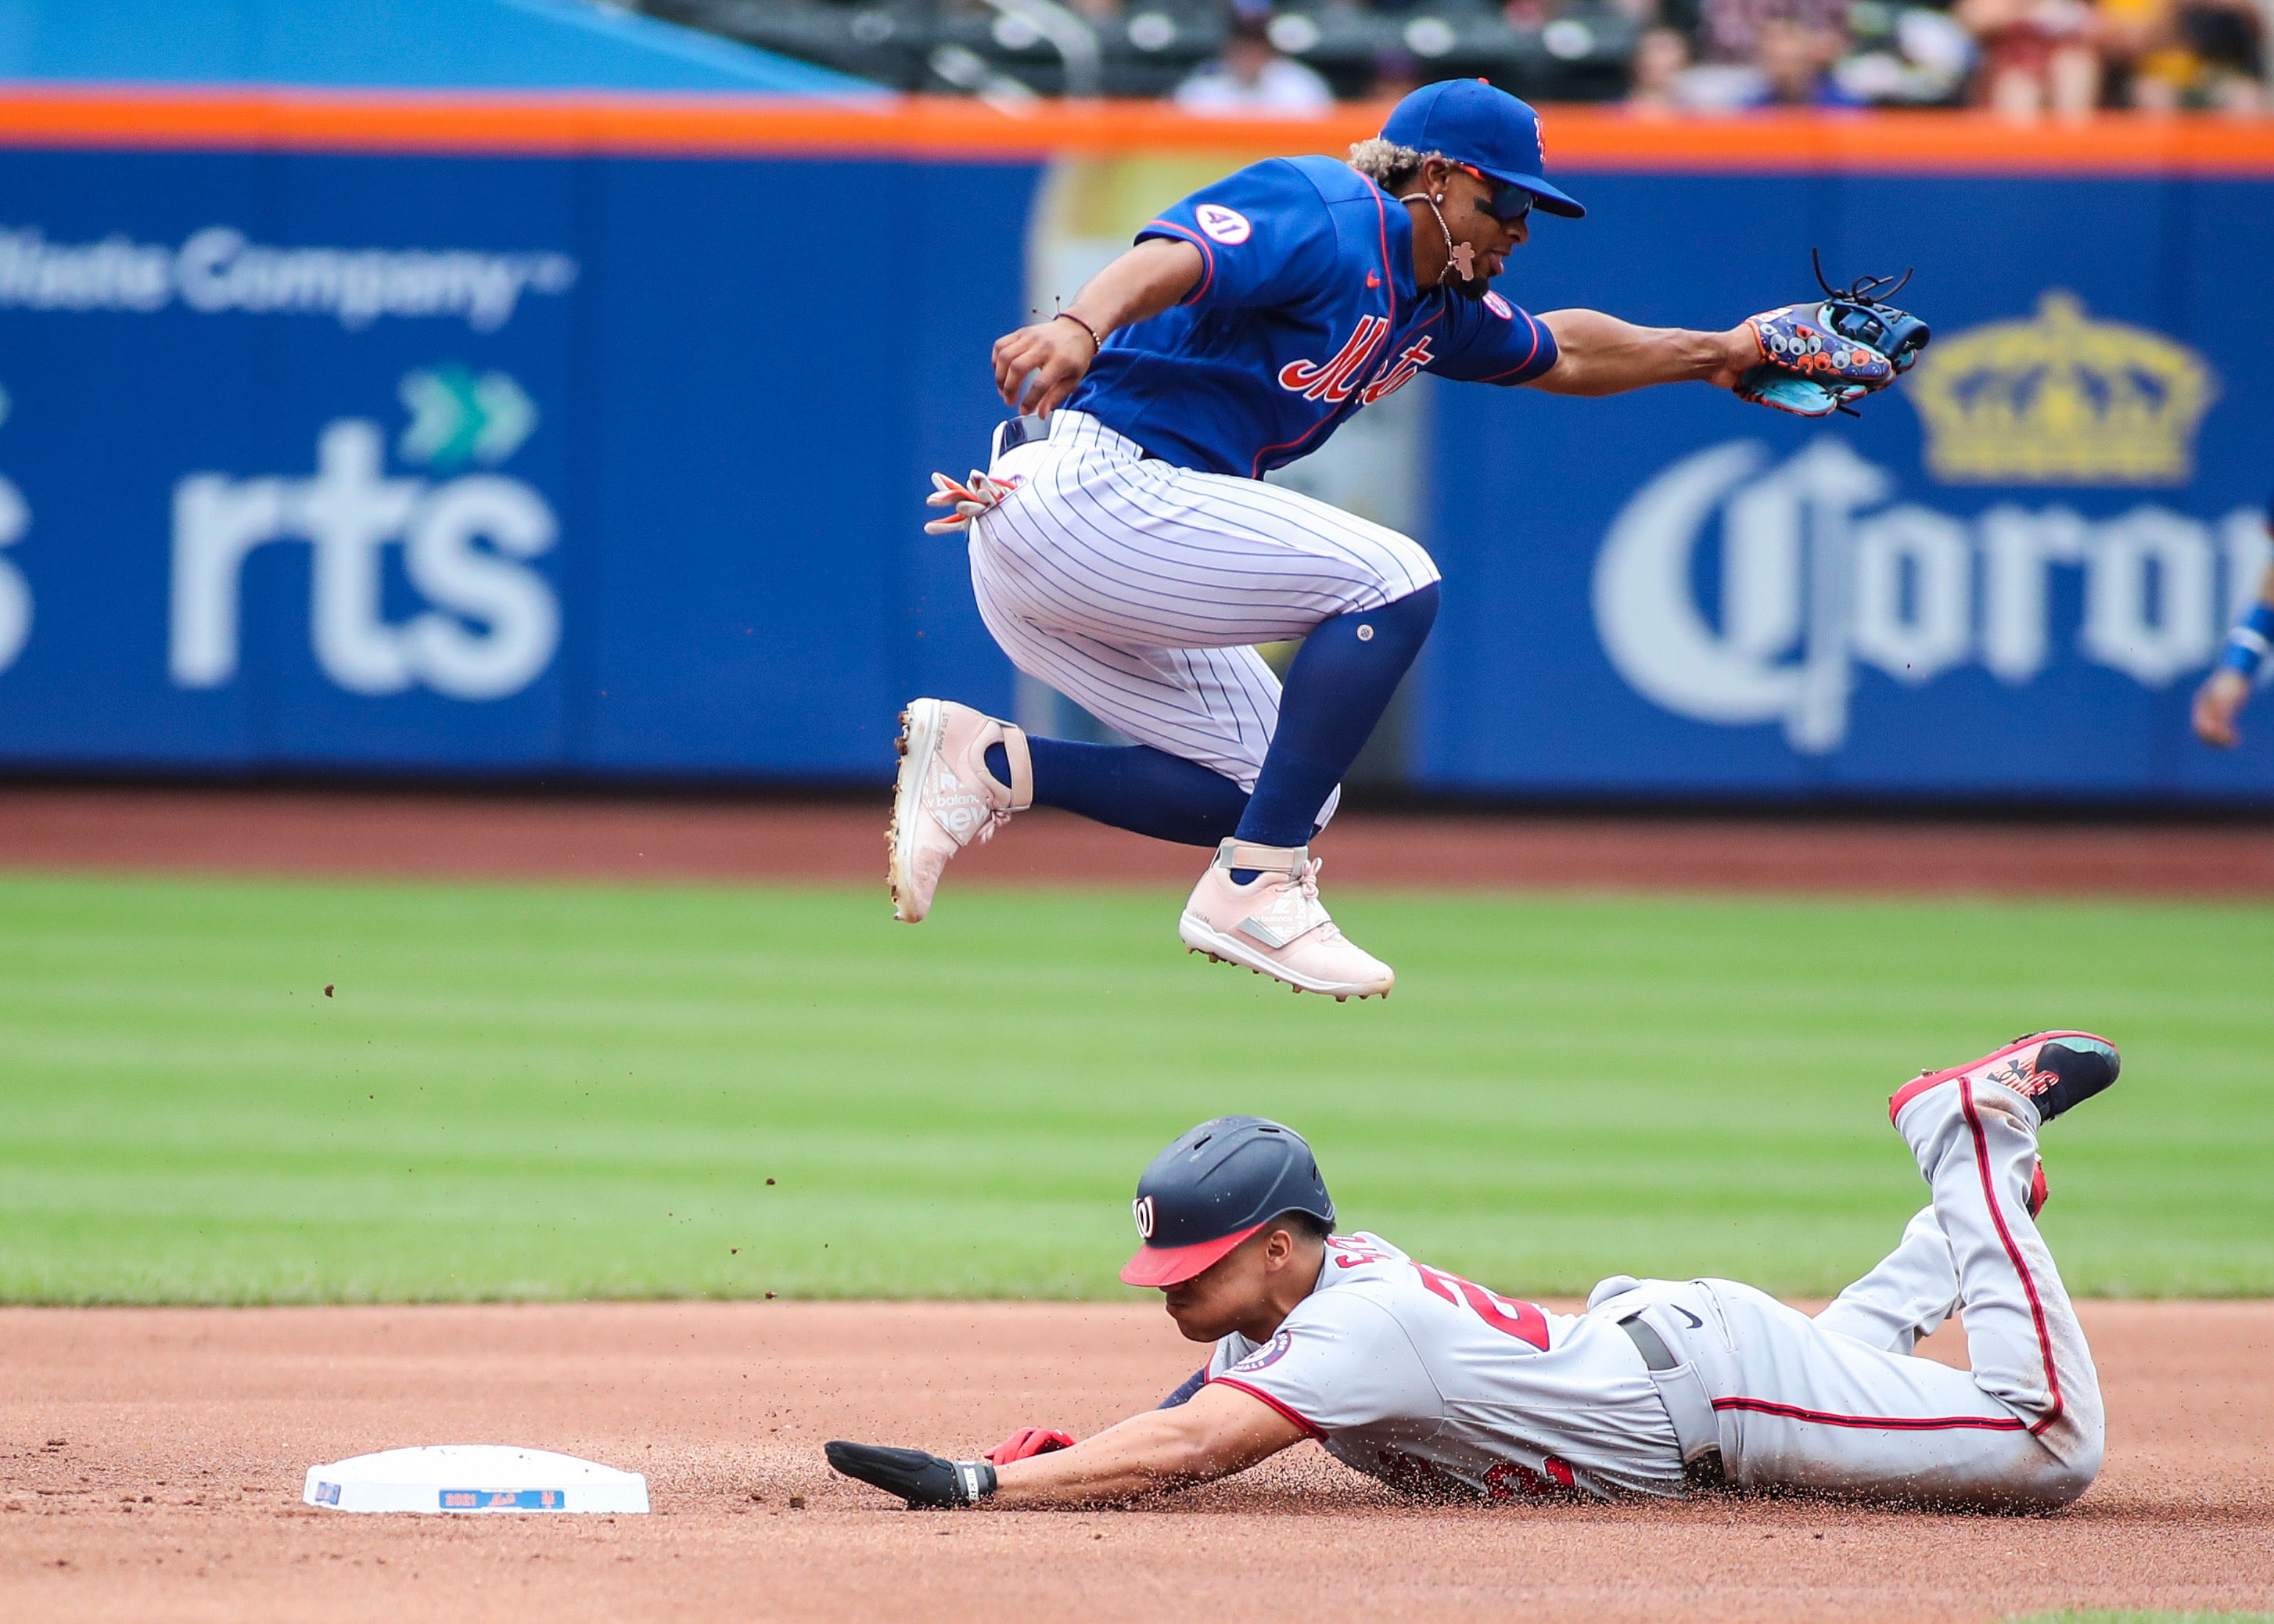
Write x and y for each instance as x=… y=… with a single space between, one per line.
x=1386 y=164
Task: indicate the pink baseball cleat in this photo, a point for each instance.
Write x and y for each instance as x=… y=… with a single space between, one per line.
x=1275 y=924
x=946 y=796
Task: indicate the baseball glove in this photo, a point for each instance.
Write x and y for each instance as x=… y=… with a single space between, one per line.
x=924 y=1480
x=1817 y=356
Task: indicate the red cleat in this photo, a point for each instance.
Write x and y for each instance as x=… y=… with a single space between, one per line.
x=2054 y=1071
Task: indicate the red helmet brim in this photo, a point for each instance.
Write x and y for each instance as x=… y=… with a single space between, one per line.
x=1169 y=1266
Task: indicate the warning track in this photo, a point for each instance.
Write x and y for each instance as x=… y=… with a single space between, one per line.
x=352 y=833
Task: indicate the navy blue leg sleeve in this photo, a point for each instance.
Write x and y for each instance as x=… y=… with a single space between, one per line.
x=1338 y=688
x=1132 y=786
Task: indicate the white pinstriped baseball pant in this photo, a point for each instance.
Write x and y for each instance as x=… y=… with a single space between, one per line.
x=1138 y=590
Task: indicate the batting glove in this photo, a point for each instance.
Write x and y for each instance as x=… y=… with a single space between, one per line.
x=967 y=499
x=1029 y=1441
x=925 y=1481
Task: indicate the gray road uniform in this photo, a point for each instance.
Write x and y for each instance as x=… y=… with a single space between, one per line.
x=1434 y=1384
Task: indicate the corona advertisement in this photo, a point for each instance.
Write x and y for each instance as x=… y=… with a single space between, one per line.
x=2003 y=579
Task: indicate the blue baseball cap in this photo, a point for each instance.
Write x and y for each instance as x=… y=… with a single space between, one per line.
x=1489 y=130
x=1216 y=1186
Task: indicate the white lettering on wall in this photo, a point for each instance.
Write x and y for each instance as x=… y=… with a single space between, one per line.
x=15 y=591
x=219 y=268
x=1813 y=582
x=494 y=622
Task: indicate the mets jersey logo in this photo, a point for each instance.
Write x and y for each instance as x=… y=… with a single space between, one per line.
x=1336 y=380
x=1499 y=306
x=1269 y=1354
x=1142 y=1206
x=1228 y=226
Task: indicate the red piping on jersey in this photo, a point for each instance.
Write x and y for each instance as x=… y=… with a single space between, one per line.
x=2014 y=1253
x=1534 y=351
x=1257 y=1393
x=1207 y=258
x=1389 y=290
x=1892 y=1424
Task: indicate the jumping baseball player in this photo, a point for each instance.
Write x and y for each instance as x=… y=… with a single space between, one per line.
x=1131 y=555
x=2221 y=697
x=1437 y=1385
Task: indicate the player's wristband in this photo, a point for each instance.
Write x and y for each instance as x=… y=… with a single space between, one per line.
x=2248 y=644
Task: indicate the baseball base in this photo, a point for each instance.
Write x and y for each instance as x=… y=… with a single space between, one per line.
x=462 y=1479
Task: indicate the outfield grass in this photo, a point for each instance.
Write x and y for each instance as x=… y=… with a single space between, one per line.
x=552 y=1091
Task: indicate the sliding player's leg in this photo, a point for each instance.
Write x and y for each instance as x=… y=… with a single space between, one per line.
x=1830 y=1404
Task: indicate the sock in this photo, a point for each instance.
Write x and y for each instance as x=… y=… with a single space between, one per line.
x=1132 y=786
x=1338 y=688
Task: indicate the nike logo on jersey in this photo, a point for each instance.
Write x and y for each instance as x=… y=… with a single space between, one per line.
x=1695 y=1324
x=1335 y=381
x=1371 y=281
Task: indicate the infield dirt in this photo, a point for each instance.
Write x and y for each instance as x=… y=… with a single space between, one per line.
x=151 y=1464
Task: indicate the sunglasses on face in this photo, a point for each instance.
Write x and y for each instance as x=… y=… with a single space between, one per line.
x=1509 y=204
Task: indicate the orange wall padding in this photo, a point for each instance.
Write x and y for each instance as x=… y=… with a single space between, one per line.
x=685 y=125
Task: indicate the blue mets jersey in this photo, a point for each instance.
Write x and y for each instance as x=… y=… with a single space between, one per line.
x=1305 y=311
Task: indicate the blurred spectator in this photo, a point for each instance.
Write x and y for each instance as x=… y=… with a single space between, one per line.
x=1396 y=75
x=1661 y=57
x=2199 y=54
x=1252 y=77
x=1906 y=56
x=1795 y=58
x=1732 y=30
x=2037 y=55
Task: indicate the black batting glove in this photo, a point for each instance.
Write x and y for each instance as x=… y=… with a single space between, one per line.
x=925 y=1481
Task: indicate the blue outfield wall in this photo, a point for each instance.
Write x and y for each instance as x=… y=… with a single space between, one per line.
x=523 y=466
x=610 y=466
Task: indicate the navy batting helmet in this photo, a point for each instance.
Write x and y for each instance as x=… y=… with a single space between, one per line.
x=1215 y=1186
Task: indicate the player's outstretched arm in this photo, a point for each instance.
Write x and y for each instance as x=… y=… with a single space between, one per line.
x=1601 y=354
x=2219 y=700
x=1219 y=1432
x=1050 y=357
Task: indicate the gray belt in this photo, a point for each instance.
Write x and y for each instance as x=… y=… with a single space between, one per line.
x=1697 y=1429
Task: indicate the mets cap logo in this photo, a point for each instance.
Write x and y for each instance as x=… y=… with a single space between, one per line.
x=1228 y=226
x=1142 y=1206
x=1269 y=1354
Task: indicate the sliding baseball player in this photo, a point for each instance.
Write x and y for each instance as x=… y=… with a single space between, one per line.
x=1132 y=556
x=1440 y=1386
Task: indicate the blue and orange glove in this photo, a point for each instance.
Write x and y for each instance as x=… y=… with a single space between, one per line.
x=1816 y=357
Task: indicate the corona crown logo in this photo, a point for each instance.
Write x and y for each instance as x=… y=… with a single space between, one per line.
x=2061 y=400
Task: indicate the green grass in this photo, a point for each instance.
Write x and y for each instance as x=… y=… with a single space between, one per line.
x=554 y=1090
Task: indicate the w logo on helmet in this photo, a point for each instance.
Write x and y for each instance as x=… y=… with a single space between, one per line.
x=1142 y=1206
